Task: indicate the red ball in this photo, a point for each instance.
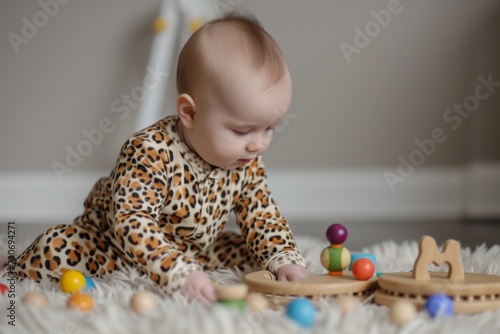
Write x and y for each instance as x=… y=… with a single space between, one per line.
x=336 y=234
x=363 y=269
x=3 y=288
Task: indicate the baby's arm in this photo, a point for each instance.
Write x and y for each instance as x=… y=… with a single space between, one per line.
x=266 y=232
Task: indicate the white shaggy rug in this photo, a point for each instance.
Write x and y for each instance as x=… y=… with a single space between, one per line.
x=113 y=315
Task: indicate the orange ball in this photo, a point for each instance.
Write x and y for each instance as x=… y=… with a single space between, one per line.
x=363 y=269
x=81 y=302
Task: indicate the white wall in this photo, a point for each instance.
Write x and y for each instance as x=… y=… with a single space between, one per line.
x=350 y=121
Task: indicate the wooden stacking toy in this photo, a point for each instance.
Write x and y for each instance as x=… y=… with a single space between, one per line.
x=336 y=258
x=333 y=284
x=470 y=292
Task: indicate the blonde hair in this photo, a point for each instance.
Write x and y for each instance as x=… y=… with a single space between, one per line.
x=219 y=41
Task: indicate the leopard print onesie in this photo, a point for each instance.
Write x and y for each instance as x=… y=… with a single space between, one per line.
x=163 y=210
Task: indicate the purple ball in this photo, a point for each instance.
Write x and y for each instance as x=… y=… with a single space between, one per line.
x=336 y=234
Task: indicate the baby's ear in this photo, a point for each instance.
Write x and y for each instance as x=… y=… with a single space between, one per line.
x=186 y=109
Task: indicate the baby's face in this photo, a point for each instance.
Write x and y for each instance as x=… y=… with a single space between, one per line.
x=235 y=122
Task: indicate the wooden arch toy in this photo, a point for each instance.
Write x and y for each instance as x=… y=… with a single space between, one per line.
x=471 y=293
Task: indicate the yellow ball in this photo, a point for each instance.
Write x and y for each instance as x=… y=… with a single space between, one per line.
x=143 y=302
x=37 y=299
x=72 y=281
x=80 y=302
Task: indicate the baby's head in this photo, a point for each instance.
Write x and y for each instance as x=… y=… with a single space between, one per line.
x=234 y=87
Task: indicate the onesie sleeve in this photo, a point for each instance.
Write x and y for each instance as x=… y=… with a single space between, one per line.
x=266 y=232
x=140 y=185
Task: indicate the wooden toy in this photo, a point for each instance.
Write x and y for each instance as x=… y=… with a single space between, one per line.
x=336 y=234
x=302 y=311
x=402 y=312
x=363 y=269
x=37 y=299
x=231 y=295
x=143 y=302
x=3 y=288
x=357 y=256
x=439 y=305
x=347 y=303
x=313 y=286
x=257 y=303
x=334 y=258
x=470 y=292
x=72 y=281
x=81 y=302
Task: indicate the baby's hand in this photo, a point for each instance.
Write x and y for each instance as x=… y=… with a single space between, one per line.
x=198 y=287
x=292 y=272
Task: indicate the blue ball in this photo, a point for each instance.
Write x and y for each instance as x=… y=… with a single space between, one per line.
x=302 y=311
x=89 y=283
x=439 y=305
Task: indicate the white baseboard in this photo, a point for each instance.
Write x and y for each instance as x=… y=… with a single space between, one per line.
x=483 y=191
x=303 y=195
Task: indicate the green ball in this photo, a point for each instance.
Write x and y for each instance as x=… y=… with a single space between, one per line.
x=335 y=258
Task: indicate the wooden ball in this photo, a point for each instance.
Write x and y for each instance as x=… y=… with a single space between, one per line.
x=257 y=303
x=363 y=269
x=336 y=234
x=143 y=302
x=335 y=258
x=402 y=312
x=347 y=303
x=37 y=299
x=81 y=302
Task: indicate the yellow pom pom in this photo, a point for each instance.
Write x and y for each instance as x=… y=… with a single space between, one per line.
x=159 y=25
x=195 y=25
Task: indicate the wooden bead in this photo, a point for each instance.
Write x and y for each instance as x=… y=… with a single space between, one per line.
x=37 y=299
x=257 y=303
x=231 y=292
x=335 y=258
x=80 y=302
x=402 y=312
x=143 y=302
x=347 y=303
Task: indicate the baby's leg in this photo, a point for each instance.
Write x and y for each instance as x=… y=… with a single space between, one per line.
x=228 y=251
x=67 y=247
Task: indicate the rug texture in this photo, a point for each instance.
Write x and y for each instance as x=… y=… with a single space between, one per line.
x=173 y=315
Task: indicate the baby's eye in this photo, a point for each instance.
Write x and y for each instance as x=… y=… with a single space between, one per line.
x=241 y=132
x=271 y=128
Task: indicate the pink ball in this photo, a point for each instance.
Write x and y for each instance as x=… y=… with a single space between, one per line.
x=336 y=234
x=363 y=269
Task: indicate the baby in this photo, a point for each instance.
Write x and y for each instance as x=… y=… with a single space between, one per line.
x=164 y=207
